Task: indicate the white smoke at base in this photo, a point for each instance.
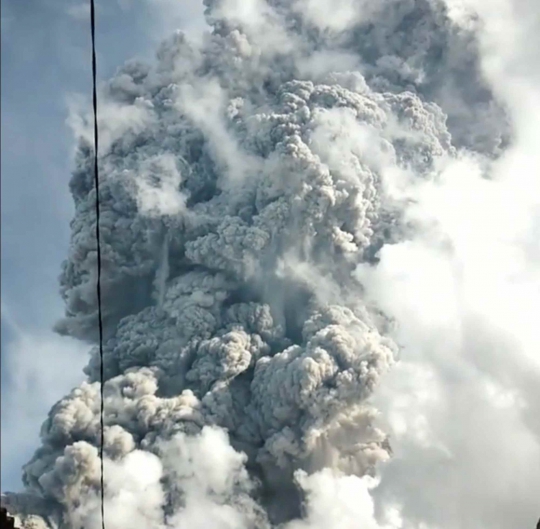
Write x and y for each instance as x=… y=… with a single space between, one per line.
x=302 y=220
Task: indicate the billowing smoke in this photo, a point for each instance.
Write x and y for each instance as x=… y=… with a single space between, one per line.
x=261 y=193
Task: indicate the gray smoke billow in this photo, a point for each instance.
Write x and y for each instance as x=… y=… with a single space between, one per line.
x=242 y=183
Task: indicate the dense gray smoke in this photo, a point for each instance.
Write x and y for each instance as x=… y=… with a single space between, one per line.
x=243 y=182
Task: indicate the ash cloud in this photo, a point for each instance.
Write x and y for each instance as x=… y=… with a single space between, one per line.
x=245 y=184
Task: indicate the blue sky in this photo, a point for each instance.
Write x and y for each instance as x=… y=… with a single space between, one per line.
x=45 y=60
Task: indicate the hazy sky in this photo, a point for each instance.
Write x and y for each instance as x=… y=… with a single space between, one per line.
x=45 y=60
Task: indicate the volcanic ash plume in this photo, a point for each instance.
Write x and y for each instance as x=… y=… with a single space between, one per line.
x=243 y=181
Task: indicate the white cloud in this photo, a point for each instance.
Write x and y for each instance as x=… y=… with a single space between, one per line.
x=158 y=183
x=41 y=368
x=338 y=15
x=114 y=119
x=204 y=102
x=334 y=500
x=463 y=405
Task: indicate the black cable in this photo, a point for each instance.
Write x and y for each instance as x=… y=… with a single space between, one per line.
x=100 y=318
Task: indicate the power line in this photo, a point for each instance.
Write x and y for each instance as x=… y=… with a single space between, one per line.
x=98 y=240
